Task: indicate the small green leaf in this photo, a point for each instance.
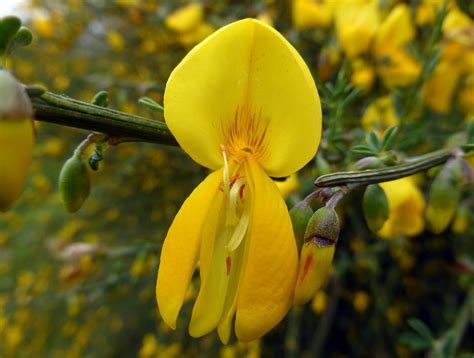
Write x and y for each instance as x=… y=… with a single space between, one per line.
x=151 y=104
x=351 y=97
x=388 y=137
x=421 y=328
x=373 y=141
x=363 y=152
x=470 y=132
x=414 y=342
x=9 y=26
x=101 y=99
x=397 y=100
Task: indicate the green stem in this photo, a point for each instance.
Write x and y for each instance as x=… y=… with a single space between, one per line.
x=372 y=176
x=454 y=335
x=53 y=108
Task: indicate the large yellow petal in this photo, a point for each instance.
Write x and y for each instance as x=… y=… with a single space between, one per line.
x=16 y=149
x=271 y=263
x=181 y=247
x=281 y=87
x=246 y=68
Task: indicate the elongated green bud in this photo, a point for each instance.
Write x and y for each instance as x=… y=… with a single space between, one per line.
x=317 y=253
x=375 y=206
x=74 y=183
x=445 y=193
x=16 y=138
x=300 y=215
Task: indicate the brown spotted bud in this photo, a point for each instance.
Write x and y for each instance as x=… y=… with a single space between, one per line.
x=317 y=253
x=375 y=206
x=16 y=138
x=74 y=183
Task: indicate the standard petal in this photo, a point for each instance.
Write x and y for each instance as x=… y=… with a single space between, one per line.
x=246 y=73
x=282 y=91
x=271 y=263
x=181 y=247
x=205 y=90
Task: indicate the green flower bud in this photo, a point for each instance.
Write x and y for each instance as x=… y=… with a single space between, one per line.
x=74 y=183
x=323 y=227
x=444 y=196
x=375 y=206
x=317 y=253
x=300 y=215
x=9 y=26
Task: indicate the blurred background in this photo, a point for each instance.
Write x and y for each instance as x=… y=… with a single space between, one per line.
x=83 y=285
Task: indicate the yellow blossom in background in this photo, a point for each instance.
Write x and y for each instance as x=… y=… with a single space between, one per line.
x=189 y=25
x=356 y=24
x=309 y=14
x=320 y=302
x=406 y=205
x=360 y=301
x=115 y=40
x=196 y=35
x=288 y=186
x=398 y=69
x=266 y=18
x=380 y=115
x=427 y=9
x=235 y=223
x=185 y=18
x=439 y=89
x=456 y=62
x=394 y=65
x=363 y=75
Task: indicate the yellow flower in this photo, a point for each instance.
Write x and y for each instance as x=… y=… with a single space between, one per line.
x=309 y=14
x=288 y=186
x=356 y=23
x=16 y=138
x=363 y=75
x=185 y=18
x=406 y=205
x=196 y=35
x=380 y=115
x=394 y=65
x=456 y=62
x=242 y=103
x=188 y=23
x=439 y=89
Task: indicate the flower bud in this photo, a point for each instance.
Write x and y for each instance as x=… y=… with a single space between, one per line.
x=375 y=206
x=317 y=253
x=444 y=197
x=16 y=138
x=369 y=163
x=74 y=184
x=300 y=215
